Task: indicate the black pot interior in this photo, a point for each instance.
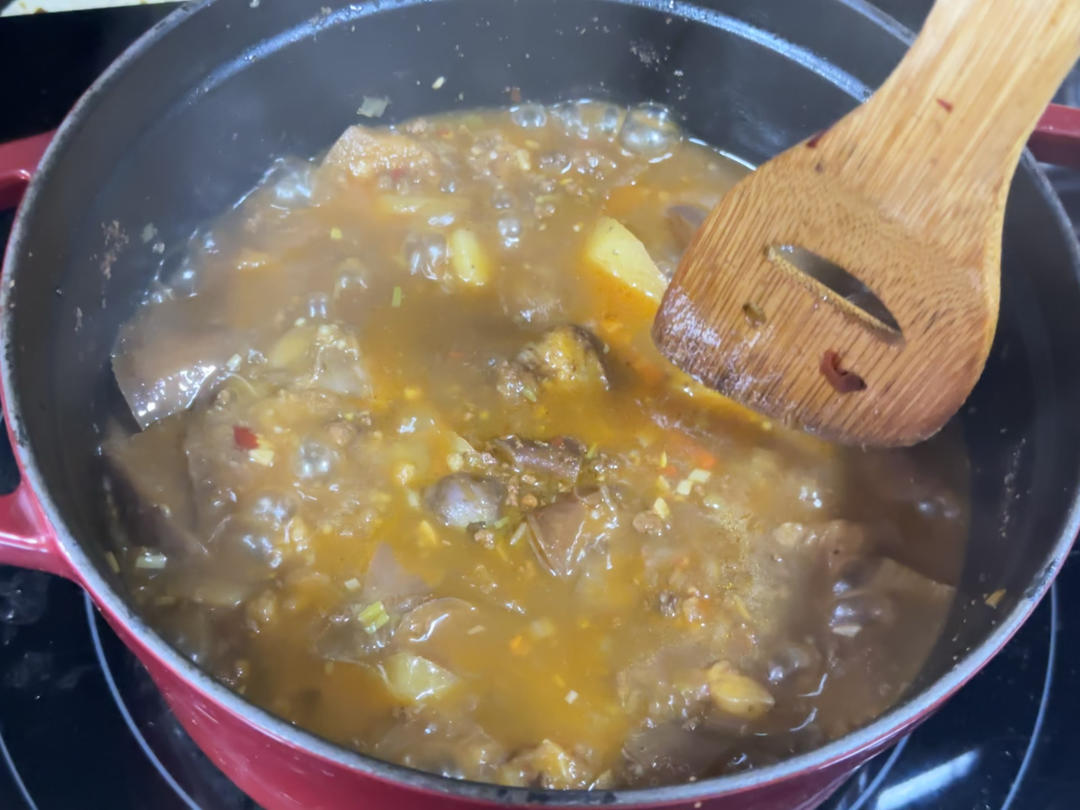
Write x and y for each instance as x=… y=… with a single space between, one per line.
x=190 y=124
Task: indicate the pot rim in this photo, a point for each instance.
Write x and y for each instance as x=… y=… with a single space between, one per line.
x=112 y=602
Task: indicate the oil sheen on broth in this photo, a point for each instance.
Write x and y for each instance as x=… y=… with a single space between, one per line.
x=406 y=470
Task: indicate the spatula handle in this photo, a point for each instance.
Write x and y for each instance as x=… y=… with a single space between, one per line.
x=956 y=113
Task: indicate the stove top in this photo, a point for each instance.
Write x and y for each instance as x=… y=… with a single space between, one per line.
x=82 y=726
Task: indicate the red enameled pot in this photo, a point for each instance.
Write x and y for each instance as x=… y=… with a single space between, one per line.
x=189 y=117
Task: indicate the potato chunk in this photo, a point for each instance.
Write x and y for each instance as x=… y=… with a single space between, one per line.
x=468 y=258
x=736 y=694
x=411 y=678
x=548 y=765
x=616 y=251
x=365 y=154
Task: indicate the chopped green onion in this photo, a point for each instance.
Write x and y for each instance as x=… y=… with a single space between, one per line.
x=335 y=233
x=373 y=617
x=262 y=455
x=529 y=394
x=395 y=298
x=519 y=533
x=352 y=584
x=150 y=559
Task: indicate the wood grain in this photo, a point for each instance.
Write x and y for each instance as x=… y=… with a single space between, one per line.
x=907 y=193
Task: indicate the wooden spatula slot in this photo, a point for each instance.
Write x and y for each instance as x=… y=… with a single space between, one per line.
x=839 y=287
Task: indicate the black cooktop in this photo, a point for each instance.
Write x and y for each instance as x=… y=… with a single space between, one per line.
x=81 y=725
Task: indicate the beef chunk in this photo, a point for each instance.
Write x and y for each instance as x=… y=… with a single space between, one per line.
x=566 y=357
x=559 y=535
x=162 y=364
x=560 y=457
x=461 y=500
x=150 y=486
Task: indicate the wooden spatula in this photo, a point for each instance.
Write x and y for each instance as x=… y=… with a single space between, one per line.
x=907 y=194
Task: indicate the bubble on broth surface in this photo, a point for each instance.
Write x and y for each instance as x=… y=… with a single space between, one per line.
x=589 y=119
x=260 y=543
x=314 y=460
x=290 y=180
x=790 y=659
x=858 y=610
x=317 y=306
x=509 y=231
x=352 y=277
x=555 y=163
x=442 y=220
x=502 y=199
x=529 y=116
x=649 y=131
x=426 y=253
x=274 y=508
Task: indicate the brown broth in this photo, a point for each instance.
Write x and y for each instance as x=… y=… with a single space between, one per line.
x=734 y=592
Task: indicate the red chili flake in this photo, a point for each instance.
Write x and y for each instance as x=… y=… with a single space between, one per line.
x=845 y=382
x=244 y=437
x=813 y=142
x=515 y=95
x=397 y=173
x=945 y=105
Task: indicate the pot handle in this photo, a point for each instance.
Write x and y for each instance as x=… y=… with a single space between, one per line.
x=26 y=539
x=1056 y=138
x=18 y=159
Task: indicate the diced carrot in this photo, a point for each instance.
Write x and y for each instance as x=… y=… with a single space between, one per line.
x=682 y=445
x=245 y=437
x=704 y=459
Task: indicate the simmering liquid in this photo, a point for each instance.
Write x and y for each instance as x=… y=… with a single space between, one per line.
x=406 y=470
